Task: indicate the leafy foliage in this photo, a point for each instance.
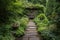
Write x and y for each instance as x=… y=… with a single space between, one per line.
x=48 y=20
x=21 y=28
x=11 y=11
x=42 y=22
x=50 y=32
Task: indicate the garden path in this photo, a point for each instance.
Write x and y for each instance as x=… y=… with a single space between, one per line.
x=31 y=32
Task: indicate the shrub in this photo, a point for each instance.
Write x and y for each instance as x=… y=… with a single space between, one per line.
x=21 y=29
x=5 y=32
x=43 y=27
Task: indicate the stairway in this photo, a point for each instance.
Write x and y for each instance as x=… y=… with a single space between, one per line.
x=31 y=32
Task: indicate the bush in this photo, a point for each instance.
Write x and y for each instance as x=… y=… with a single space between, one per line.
x=21 y=29
x=5 y=32
x=44 y=28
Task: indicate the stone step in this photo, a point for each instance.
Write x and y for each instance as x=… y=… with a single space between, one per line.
x=30 y=30
x=31 y=34
x=31 y=38
x=34 y=38
x=32 y=27
x=32 y=24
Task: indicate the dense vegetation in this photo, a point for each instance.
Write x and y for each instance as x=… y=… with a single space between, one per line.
x=48 y=23
x=13 y=14
x=12 y=19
